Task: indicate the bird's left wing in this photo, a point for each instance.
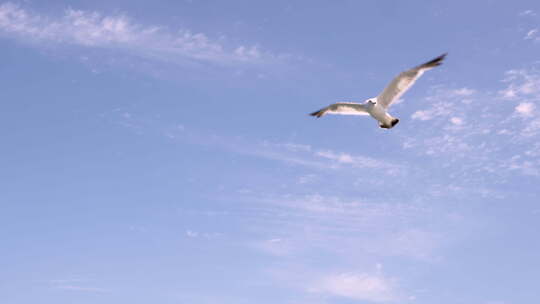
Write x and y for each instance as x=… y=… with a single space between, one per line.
x=343 y=108
x=404 y=81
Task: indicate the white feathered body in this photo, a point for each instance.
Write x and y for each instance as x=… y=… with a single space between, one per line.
x=378 y=112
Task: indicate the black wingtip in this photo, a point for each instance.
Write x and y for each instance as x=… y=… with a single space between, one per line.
x=435 y=62
x=317 y=114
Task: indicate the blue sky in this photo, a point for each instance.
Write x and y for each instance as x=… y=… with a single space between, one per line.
x=161 y=152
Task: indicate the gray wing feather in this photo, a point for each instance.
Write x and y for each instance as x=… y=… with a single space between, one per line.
x=343 y=108
x=404 y=81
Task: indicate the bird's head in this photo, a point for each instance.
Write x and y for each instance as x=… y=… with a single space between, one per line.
x=371 y=102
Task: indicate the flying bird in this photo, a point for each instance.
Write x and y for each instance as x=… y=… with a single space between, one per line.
x=378 y=106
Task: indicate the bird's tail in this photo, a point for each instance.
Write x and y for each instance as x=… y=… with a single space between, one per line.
x=392 y=124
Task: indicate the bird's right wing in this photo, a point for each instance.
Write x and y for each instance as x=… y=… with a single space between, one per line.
x=404 y=81
x=343 y=108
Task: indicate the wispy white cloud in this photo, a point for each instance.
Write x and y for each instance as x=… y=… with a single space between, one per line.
x=81 y=288
x=195 y=234
x=75 y=284
x=358 y=286
x=523 y=164
x=440 y=109
x=351 y=233
x=523 y=87
x=94 y=30
x=525 y=109
x=298 y=154
x=358 y=161
x=463 y=92
x=482 y=131
x=307 y=179
x=305 y=222
x=276 y=247
x=521 y=84
x=531 y=129
x=191 y=234
x=456 y=121
x=527 y=13
x=532 y=35
x=442 y=103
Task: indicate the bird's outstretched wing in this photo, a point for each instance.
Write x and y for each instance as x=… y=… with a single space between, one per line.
x=404 y=81
x=343 y=108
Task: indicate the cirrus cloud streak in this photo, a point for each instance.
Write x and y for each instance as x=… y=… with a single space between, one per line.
x=118 y=32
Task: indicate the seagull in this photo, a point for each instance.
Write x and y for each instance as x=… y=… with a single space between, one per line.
x=377 y=107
